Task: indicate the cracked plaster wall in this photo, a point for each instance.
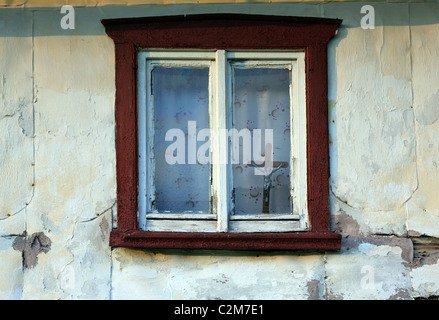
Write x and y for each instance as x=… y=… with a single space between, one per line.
x=57 y=165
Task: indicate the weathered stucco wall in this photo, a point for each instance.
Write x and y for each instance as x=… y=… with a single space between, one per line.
x=57 y=165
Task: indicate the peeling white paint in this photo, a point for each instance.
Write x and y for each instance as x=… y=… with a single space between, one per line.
x=382 y=263
x=16 y=121
x=11 y=285
x=424 y=281
x=212 y=275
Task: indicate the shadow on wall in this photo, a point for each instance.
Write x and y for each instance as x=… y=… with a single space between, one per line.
x=47 y=21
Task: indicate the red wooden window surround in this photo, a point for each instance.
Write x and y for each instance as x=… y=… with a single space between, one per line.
x=223 y=31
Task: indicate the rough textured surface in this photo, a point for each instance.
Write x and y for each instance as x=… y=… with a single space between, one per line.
x=209 y=275
x=373 y=268
x=12 y=266
x=425 y=267
x=16 y=114
x=57 y=164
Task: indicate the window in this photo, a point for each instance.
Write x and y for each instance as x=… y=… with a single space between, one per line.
x=221 y=132
x=238 y=104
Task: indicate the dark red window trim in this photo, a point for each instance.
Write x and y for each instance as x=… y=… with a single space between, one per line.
x=223 y=31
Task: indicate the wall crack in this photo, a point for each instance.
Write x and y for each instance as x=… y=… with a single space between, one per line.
x=100 y=214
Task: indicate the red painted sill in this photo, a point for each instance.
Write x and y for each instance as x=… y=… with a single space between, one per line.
x=223 y=31
x=228 y=241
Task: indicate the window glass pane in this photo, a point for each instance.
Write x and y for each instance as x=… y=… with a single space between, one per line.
x=261 y=100
x=181 y=109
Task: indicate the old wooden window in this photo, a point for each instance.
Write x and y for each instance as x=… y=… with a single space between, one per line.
x=254 y=87
x=240 y=151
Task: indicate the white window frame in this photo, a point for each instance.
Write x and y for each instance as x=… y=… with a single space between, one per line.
x=221 y=218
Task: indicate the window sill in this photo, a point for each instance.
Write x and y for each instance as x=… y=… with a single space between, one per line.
x=315 y=241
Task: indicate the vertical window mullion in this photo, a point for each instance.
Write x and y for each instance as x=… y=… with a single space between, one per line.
x=219 y=143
